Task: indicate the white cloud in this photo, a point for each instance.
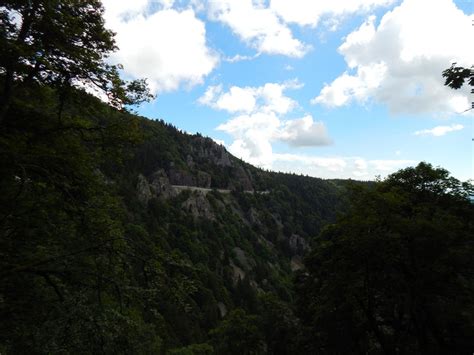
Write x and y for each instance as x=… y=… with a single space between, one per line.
x=168 y=46
x=263 y=123
x=390 y=165
x=309 y=12
x=264 y=25
x=237 y=99
x=361 y=167
x=259 y=120
x=252 y=137
x=348 y=87
x=304 y=132
x=337 y=167
x=254 y=133
x=399 y=62
x=219 y=141
x=240 y=58
x=439 y=130
x=331 y=164
x=118 y=11
x=258 y=26
x=210 y=95
x=267 y=98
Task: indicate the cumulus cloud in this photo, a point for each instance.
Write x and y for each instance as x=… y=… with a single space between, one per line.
x=259 y=120
x=252 y=137
x=254 y=134
x=304 y=132
x=267 y=98
x=241 y=58
x=439 y=131
x=117 y=11
x=399 y=62
x=309 y=12
x=258 y=26
x=167 y=46
x=265 y=123
x=337 y=167
x=327 y=163
x=219 y=141
x=390 y=165
x=348 y=87
x=265 y=25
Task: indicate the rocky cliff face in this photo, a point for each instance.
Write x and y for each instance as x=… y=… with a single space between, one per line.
x=207 y=149
x=200 y=163
x=198 y=206
x=210 y=207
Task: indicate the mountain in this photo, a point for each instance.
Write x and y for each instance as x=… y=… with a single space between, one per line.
x=120 y=235
x=123 y=234
x=243 y=231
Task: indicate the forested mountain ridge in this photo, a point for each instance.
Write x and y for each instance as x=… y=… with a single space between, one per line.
x=101 y=253
x=123 y=235
x=92 y=220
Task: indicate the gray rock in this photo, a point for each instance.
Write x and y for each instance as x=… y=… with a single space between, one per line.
x=298 y=244
x=253 y=218
x=161 y=185
x=237 y=273
x=189 y=161
x=181 y=177
x=144 y=193
x=206 y=148
x=198 y=205
x=296 y=263
x=203 y=179
x=242 y=180
x=246 y=262
x=222 y=309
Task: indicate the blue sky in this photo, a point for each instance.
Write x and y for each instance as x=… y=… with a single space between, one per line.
x=340 y=89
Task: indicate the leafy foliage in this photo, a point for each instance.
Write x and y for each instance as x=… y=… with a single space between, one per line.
x=98 y=254
x=456 y=76
x=395 y=274
x=238 y=334
x=60 y=43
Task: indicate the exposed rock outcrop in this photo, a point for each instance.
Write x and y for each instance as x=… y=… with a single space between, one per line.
x=181 y=177
x=222 y=309
x=237 y=273
x=241 y=180
x=144 y=193
x=298 y=244
x=296 y=263
x=198 y=206
x=161 y=185
x=253 y=218
x=246 y=262
x=206 y=148
x=203 y=179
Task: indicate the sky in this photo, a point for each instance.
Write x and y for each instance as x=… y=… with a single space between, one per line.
x=332 y=89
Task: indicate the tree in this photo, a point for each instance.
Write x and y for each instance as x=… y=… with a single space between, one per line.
x=456 y=76
x=60 y=43
x=64 y=279
x=279 y=325
x=237 y=334
x=394 y=275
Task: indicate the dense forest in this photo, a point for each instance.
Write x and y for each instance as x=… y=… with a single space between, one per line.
x=123 y=235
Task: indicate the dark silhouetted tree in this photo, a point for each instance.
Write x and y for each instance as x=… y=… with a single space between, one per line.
x=60 y=43
x=394 y=275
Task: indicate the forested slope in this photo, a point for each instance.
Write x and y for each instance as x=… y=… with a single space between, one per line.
x=97 y=244
x=101 y=253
